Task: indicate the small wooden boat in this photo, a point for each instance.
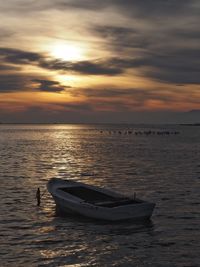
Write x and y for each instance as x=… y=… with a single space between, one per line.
x=95 y=202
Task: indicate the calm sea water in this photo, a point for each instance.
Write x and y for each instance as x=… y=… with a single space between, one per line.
x=161 y=168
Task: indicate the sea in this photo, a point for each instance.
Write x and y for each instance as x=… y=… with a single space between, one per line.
x=160 y=163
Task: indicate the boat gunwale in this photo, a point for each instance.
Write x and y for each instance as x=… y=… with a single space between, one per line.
x=57 y=190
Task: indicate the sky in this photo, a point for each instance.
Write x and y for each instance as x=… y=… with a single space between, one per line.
x=92 y=61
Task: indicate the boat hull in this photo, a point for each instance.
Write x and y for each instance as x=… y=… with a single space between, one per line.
x=137 y=211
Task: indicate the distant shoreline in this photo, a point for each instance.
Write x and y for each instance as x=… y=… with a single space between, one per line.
x=97 y=123
x=67 y=123
x=190 y=124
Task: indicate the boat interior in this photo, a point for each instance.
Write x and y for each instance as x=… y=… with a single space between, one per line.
x=98 y=198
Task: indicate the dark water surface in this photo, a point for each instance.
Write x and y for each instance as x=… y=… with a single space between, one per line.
x=161 y=168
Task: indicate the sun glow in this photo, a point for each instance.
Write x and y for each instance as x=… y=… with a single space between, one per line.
x=67 y=51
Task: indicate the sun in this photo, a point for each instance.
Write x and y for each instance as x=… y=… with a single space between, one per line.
x=67 y=51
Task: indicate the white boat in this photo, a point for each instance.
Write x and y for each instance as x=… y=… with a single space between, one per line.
x=95 y=202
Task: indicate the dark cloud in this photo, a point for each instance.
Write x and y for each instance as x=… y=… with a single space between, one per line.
x=174 y=65
x=153 y=8
x=13 y=83
x=95 y=67
x=19 y=83
x=179 y=77
x=84 y=4
x=122 y=38
x=83 y=67
x=153 y=54
x=49 y=86
x=16 y=56
x=114 y=32
x=187 y=34
x=144 y=9
x=138 y=96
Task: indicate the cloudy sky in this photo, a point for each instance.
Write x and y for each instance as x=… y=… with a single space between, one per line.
x=100 y=61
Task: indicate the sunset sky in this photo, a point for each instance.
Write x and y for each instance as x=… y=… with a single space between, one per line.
x=100 y=61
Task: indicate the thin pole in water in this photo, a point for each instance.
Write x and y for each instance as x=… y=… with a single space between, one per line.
x=38 y=196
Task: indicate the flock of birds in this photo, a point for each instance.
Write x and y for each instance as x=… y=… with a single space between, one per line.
x=149 y=132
